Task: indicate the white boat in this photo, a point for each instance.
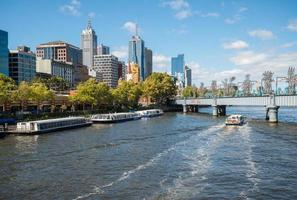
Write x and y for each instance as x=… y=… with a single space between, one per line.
x=114 y=117
x=235 y=120
x=150 y=113
x=49 y=125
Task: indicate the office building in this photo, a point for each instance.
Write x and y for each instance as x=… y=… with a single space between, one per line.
x=136 y=54
x=4 y=53
x=148 y=65
x=133 y=72
x=22 y=64
x=102 y=50
x=178 y=69
x=60 y=51
x=122 y=70
x=81 y=74
x=88 y=45
x=56 y=68
x=188 y=76
x=108 y=66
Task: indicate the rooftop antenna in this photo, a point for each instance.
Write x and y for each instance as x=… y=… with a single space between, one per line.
x=136 y=29
x=89 y=23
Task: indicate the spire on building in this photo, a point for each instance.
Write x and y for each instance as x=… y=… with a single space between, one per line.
x=136 y=29
x=89 y=24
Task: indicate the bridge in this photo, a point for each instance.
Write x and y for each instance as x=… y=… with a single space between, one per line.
x=219 y=104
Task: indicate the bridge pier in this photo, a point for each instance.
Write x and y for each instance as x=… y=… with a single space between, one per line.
x=272 y=114
x=218 y=110
x=184 y=108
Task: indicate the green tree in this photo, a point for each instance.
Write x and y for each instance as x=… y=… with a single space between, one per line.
x=103 y=94
x=40 y=93
x=188 y=91
x=22 y=94
x=7 y=85
x=160 y=87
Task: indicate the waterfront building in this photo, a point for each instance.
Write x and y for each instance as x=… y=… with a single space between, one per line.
x=136 y=54
x=133 y=72
x=22 y=64
x=88 y=45
x=102 y=50
x=108 y=66
x=148 y=67
x=178 y=68
x=4 y=52
x=188 y=76
x=60 y=51
x=56 y=68
x=81 y=74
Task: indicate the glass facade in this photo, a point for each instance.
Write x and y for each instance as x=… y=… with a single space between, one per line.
x=136 y=54
x=4 y=52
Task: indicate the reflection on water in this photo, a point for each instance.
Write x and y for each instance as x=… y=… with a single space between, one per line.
x=176 y=156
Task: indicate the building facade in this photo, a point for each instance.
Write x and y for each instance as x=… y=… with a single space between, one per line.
x=108 y=66
x=102 y=50
x=22 y=64
x=4 y=52
x=148 y=67
x=81 y=74
x=133 y=73
x=56 y=68
x=178 y=68
x=60 y=51
x=136 y=54
x=188 y=76
x=88 y=45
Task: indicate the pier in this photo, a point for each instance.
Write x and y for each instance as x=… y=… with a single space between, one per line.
x=219 y=104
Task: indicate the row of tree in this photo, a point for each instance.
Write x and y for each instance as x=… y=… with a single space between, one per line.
x=159 y=88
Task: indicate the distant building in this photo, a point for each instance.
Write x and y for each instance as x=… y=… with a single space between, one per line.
x=102 y=50
x=22 y=64
x=81 y=74
x=148 y=67
x=122 y=70
x=4 y=53
x=60 y=51
x=56 y=68
x=136 y=54
x=188 y=76
x=133 y=72
x=178 y=68
x=88 y=45
x=108 y=66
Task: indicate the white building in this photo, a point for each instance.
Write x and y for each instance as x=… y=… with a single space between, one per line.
x=108 y=66
x=102 y=49
x=88 y=45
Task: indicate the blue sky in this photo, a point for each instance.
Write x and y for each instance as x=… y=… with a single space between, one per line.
x=219 y=38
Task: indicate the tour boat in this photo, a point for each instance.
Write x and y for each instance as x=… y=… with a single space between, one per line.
x=235 y=120
x=49 y=125
x=115 y=117
x=150 y=113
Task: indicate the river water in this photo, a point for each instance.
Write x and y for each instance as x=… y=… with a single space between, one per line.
x=175 y=156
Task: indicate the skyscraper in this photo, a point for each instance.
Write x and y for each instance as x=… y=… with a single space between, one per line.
x=148 y=67
x=102 y=50
x=89 y=45
x=136 y=53
x=4 y=52
x=188 y=76
x=178 y=69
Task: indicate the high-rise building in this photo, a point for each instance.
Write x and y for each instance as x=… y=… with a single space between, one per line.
x=122 y=70
x=22 y=64
x=4 y=52
x=178 y=68
x=148 y=67
x=88 y=45
x=108 y=66
x=60 y=51
x=133 y=72
x=102 y=50
x=188 y=76
x=136 y=54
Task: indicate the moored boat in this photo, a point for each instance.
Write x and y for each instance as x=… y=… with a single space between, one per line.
x=237 y=120
x=50 y=125
x=115 y=117
x=150 y=113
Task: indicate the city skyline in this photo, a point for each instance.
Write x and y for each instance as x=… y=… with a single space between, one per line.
x=219 y=38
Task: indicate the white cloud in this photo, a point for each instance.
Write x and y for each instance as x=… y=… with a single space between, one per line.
x=238 y=44
x=210 y=14
x=248 y=57
x=290 y=44
x=242 y=9
x=180 y=31
x=183 y=14
x=292 y=26
x=121 y=52
x=177 y=4
x=91 y=14
x=73 y=8
x=161 y=63
x=262 y=34
x=130 y=27
x=235 y=19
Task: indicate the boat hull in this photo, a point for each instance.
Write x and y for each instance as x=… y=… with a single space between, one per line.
x=98 y=121
x=152 y=115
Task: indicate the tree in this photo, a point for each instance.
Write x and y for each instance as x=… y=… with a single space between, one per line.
x=229 y=87
x=202 y=90
x=40 y=93
x=22 y=94
x=188 y=91
x=292 y=80
x=247 y=85
x=55 y=83
x=7 y=85
x=160 y=87
x=267 y=79
x=102 y=94
x=214 y=87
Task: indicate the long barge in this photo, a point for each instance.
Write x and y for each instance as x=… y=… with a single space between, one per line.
x=115 y=117
x=150 y=113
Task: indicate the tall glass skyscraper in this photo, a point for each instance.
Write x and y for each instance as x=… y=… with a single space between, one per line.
x=136 y=54
x=4 y=52
x=177 y=65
